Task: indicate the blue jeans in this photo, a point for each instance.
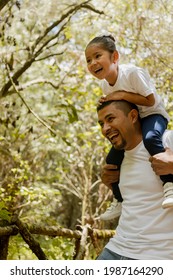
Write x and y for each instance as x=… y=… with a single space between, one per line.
x=153 y=128
x=115 y=157
x=106 y=254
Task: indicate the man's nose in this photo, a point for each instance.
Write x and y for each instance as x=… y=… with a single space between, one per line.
x=105 y=129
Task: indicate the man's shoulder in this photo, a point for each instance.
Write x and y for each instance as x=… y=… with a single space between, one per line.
x=168 y=138
x=168 y=133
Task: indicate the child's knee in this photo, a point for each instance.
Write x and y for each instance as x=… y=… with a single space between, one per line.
x=153 y=142
x=149 y=139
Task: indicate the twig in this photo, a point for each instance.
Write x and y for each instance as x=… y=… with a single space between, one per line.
x=28 y=107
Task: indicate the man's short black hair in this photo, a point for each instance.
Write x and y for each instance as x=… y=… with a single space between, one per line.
x=123 y=105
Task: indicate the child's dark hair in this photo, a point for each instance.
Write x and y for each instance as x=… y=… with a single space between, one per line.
x=107 y=42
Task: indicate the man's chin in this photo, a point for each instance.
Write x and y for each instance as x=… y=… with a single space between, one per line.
x=119 y=147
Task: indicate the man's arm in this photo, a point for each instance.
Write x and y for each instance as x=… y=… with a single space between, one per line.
x=109 y=175
x=162 y=163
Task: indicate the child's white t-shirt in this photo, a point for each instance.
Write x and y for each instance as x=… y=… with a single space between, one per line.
x=136 y=80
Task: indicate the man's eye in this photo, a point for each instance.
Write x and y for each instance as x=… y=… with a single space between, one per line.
x=110 y=119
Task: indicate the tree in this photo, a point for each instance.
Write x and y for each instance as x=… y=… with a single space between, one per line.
x=51 y=146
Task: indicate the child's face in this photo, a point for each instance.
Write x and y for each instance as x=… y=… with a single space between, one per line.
x=99 y=61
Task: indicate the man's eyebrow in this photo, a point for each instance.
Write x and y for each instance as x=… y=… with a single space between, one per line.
x=106 y=117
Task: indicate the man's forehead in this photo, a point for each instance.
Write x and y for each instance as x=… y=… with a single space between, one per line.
x=107 y=111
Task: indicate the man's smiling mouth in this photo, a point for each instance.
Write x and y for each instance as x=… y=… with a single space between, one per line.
x=112 y=137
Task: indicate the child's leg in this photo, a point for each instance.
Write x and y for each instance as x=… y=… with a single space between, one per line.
x=153 y=128
x=115 y=157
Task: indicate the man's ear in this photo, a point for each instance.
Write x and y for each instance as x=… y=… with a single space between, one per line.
x=134 y=115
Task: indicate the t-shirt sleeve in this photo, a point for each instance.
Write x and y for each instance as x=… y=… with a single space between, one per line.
x=103 y=87
x=141 y=81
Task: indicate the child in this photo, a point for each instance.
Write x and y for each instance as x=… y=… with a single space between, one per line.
x=133 y=84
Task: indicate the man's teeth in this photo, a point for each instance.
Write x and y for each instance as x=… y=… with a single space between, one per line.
x=111 y=137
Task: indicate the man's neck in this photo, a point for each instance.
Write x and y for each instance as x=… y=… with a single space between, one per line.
x=138 y=138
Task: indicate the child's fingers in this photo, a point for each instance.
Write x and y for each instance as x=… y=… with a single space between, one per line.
x=102 y=99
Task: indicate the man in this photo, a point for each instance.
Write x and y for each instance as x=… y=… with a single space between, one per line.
x=145 y=229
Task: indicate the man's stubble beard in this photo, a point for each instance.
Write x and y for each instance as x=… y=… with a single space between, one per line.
x=121 y=146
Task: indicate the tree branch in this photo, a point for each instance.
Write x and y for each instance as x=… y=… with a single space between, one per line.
x=64 y=16
x=83 y=242
x=5 y=89
x=29 y=109
x=39 y=81
x=3 y=3
x=29 y=239
x=55 y=231
x=47 y=56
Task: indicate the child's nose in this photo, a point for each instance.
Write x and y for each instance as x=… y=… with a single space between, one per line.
x=93 y=62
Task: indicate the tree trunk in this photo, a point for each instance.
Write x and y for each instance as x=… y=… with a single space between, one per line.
x=4 y=241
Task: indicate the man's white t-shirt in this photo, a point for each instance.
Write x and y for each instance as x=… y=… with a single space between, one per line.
x=136 y=80
x=145 y=229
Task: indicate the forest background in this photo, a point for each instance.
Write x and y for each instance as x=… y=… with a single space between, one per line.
x=51 y=147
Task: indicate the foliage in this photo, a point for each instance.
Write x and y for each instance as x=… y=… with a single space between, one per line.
x=50 y=143
x=4 y=214
x=55 y=248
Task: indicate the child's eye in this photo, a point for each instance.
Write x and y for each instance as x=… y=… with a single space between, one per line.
x=88 y=61
x=98 y=55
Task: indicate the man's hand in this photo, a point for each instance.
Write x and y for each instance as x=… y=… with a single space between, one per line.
x=162 y=163
x=109 y=175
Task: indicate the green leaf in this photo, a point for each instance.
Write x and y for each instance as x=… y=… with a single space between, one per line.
x=5 y=215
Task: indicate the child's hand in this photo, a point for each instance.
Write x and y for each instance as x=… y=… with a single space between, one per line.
x=116 y=95
x=102 y=99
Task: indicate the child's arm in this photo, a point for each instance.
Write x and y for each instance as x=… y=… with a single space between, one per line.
x=130 y=97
